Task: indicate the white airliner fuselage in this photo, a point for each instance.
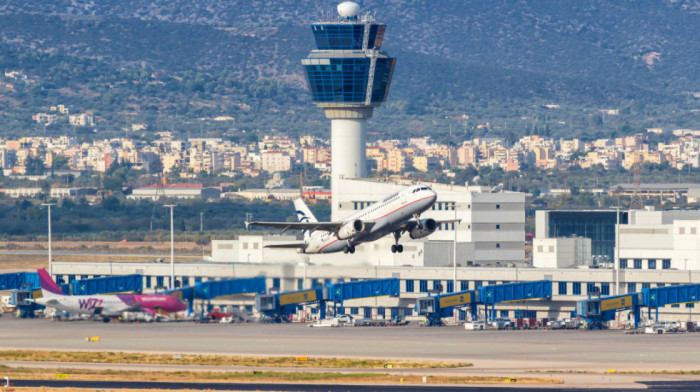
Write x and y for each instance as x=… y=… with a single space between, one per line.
x=387 y=215
x=396 y=214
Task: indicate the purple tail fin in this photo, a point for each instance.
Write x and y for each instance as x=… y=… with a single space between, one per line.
x=48 y=286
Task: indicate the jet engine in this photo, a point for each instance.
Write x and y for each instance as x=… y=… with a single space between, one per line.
x=424 y=228
x=351 y=229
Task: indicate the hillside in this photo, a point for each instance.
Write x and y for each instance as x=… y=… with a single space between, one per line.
x=168 y=63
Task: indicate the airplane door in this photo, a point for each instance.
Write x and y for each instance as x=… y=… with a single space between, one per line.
x=403 y=197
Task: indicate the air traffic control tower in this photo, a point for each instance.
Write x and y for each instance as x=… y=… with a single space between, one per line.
x=348 y=76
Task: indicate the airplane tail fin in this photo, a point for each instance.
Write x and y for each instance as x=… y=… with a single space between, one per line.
x=49 y=288
x=304 y=214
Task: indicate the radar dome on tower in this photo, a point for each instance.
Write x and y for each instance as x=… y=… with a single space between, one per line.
x=348 y=10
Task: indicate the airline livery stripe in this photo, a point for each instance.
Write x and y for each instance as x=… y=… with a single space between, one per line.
x=324 y=246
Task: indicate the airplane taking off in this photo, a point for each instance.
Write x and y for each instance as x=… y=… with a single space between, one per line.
x=104 y=304
x=396 y=214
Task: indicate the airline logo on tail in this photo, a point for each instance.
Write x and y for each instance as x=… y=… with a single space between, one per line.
x=49 y=288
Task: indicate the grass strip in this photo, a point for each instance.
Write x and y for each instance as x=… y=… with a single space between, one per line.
x=218 y=360
x=259 y=376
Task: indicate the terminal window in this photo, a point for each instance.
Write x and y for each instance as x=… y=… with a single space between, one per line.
x=605 y=288
x=464 y=285
x=477 y=284
x=576 y=288
x=300 y=283
x=437 y=285
x=631 y=287
x=409 y=286
x=354 y=311
x=590 y=287
x=637 y=263
x=666 y=264
x=562 y=288
x=450 y=286
x=423 y=286
x=646 y=285
x=652 y=263
x=623 y=263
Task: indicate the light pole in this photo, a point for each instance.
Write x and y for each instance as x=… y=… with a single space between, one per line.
x=454 y=260
x=201 y=222
x=48 y=205
x=616 y=259
x=172 y=247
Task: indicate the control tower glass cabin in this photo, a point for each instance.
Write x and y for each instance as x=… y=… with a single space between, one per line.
x=348 y=76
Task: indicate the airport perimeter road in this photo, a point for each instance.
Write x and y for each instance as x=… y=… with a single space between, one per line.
x=578 y=357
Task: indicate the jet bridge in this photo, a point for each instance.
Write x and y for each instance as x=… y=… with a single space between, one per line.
x=218 y=288
x=339 y=292
x=279 y=306
x=108 y=285
x=669 y=295
x=443 y=305
x=436 y=307
x=514 y=292
x=597 y=311
x=17 y=280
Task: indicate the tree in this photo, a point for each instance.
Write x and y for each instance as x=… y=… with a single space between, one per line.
x=34 y=166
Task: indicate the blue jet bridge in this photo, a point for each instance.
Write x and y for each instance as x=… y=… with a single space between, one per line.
x=24 y=286
x=670 y=295
x=279 y=306
x=436 y=307
x=597 y=311
x=443 y=305
x=108 y=285
x=218 y=288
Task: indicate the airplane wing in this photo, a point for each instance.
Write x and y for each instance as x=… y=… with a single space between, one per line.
x=296 y=245
x=311 y=226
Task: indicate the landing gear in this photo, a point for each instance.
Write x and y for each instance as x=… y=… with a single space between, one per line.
x=397 y=247
x=349 y=248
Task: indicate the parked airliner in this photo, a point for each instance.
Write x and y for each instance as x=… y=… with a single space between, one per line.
x=104 y=305
x=396 y=214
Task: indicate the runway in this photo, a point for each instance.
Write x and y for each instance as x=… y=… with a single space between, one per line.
x=652 y=387
x=580 y=358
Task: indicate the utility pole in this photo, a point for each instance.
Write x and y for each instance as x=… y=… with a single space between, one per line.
x=48 y=205
x=172 y=247
x=617 y=251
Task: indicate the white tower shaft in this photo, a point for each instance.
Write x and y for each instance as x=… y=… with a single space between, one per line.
x=348 y=154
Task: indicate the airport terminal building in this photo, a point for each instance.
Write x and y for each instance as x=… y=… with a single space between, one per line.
x=657 y=249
